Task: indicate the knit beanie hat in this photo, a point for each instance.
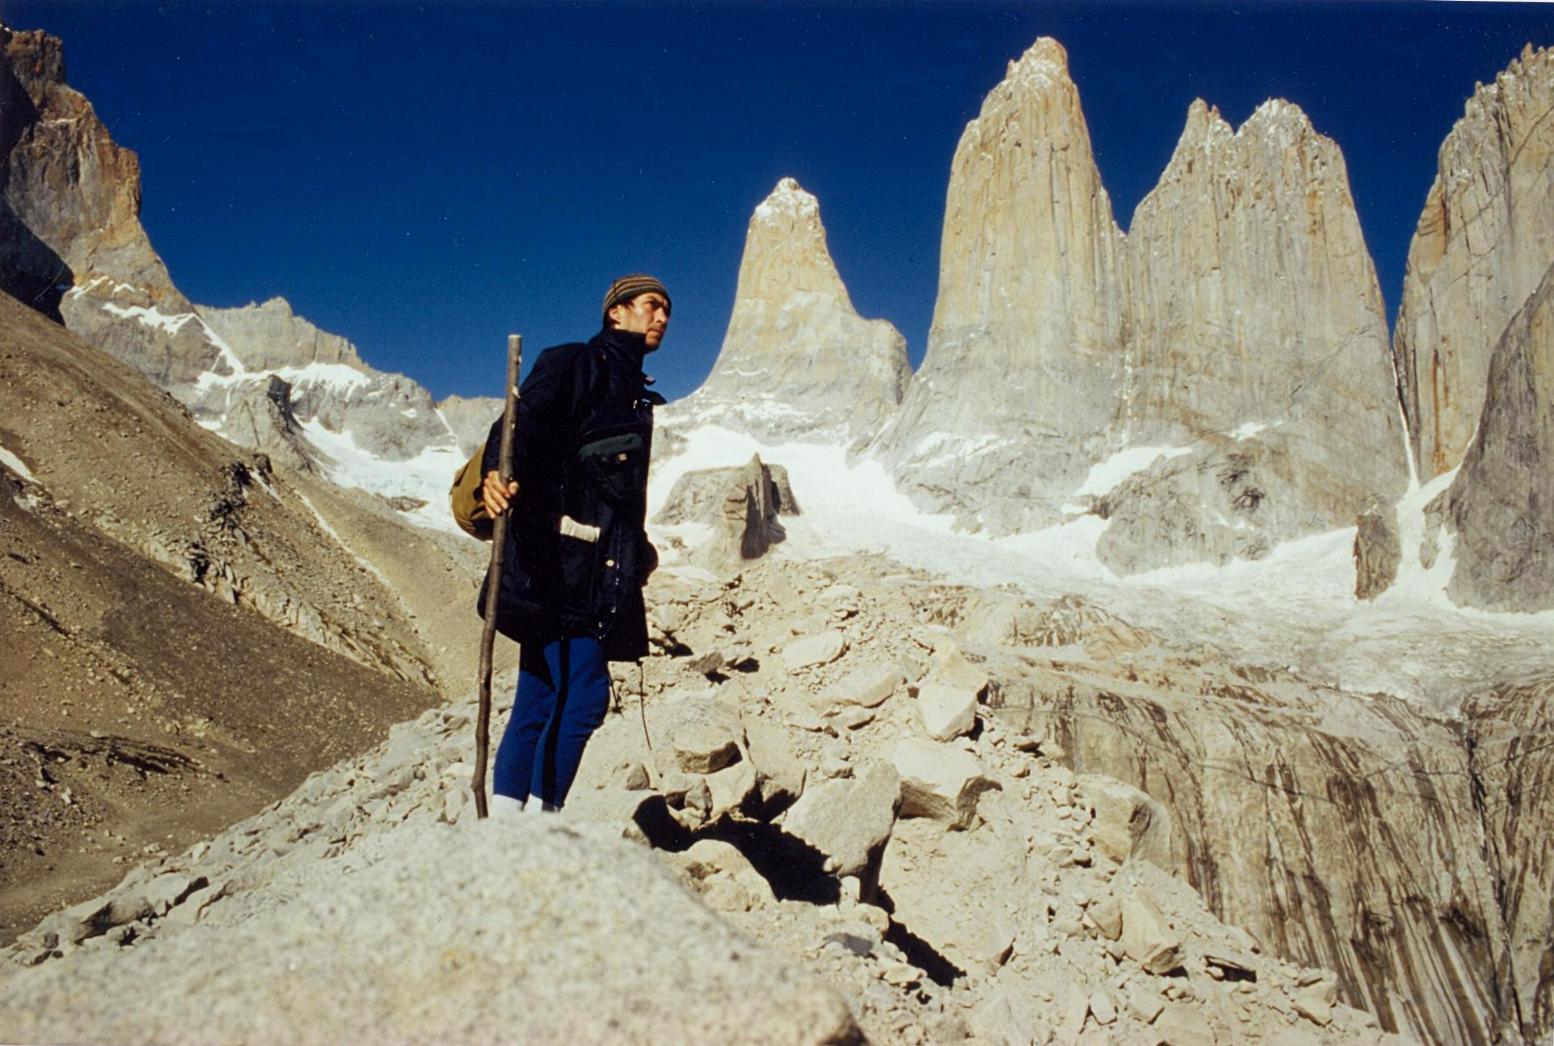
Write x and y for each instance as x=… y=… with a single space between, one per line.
x=628 y=287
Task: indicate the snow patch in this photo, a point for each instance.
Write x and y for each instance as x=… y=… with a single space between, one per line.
x=1415 y=581
x=336 y=376
x=16 y=465
x=150 y=316
x=1105 y=475
x=787 y=202
x=425 y=477
x=1248 y=430
x=86 y=288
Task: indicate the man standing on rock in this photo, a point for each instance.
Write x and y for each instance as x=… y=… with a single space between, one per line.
x=577 y=554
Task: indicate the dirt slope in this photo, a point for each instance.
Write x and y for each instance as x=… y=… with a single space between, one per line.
x=183 y=634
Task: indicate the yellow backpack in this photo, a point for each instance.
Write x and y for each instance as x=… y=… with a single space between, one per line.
x=469 y=512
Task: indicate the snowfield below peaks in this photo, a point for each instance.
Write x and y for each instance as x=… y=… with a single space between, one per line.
x=1295 y=607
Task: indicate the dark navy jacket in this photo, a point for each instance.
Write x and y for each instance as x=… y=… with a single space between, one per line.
x=577 y=551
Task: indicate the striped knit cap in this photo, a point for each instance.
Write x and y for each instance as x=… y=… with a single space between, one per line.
x=628 y=287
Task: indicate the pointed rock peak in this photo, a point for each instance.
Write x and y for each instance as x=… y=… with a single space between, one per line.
x=1204 y=123
x=785 y=248
x=1534 y=63
x=1043 y=62
x=1276 y=115
x=1036 y=86
x=35 y=57
x=787 y=203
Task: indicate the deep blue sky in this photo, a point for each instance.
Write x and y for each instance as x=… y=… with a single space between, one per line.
x=425 y=177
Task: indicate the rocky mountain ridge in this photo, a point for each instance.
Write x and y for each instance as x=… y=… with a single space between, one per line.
x=1473 y=344
x=76 y=248
x=1219 y=380
x=1483 y=242
x=1212 y=384
x=1232 y=341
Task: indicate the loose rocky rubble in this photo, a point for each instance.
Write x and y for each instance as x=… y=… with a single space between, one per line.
x=860 y=809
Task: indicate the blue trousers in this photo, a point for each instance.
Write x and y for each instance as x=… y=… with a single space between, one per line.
x=563 y=695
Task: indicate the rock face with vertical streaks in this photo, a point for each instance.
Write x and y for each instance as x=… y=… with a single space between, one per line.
x=1501 y=503
x=798 y=362
x=1399 y=850
x=1475 y=347
x=1257 y=343
x=1513 y=769
x=1017 y=389
x=1482 y=245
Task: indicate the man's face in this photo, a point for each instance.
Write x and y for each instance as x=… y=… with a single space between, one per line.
x=646 y=314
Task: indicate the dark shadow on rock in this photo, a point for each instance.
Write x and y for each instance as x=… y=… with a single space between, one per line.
x=30 y=270
x=794 y=869
x=918 y=951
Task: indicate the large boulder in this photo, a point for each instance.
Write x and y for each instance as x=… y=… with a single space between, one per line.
x=1378 y=551
x=939 y=781
x=740 y=504
x=557 y=929
x=263 y=419
x=849 y=819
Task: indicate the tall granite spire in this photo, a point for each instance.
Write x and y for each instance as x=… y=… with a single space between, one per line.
x=1015 y=392
x=798 y=361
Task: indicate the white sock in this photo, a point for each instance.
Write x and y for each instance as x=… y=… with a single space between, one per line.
x=505 y=806
x=537 y=806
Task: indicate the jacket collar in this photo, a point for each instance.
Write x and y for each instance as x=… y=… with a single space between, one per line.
x=625 y=346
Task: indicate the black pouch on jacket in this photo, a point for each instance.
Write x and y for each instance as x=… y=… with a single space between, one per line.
x=614 y=466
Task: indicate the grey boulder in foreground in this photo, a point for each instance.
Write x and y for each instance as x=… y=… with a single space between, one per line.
x=507 y=929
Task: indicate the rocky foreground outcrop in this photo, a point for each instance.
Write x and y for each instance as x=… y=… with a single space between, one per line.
x=1146 y=841
x=554 y=932
x=797 y=362
x=803 y=789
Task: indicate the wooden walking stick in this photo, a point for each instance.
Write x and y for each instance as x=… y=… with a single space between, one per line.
x=494 y=574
